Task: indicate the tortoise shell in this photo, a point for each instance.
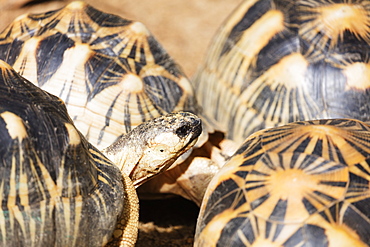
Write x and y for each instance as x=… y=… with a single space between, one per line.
x=279 y=61
x=53 y=184
x=302 y=184
x=111 y=72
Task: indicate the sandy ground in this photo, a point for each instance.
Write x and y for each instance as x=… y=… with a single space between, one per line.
x=184 y=28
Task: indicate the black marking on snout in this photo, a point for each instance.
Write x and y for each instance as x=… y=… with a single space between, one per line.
x=192 y=127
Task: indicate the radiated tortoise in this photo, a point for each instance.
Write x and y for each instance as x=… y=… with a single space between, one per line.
x=111 y=72
x=56 y=188
x=301 y=184
x=277 y=61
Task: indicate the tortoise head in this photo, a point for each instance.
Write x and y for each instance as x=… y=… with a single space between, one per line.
x=153 y=146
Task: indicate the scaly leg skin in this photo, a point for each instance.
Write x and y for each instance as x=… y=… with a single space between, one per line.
x=126 y=231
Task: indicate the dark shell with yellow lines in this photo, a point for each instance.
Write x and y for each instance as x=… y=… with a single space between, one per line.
x=301 y=184
x=111 y=72
x=280 y=61
x=53 y=184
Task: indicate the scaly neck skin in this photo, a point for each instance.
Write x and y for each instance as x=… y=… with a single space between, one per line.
x=125 y=154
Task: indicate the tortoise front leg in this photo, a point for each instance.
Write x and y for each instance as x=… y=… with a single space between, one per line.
x=126 y=231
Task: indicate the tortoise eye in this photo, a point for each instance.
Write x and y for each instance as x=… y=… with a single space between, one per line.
x=159 y=149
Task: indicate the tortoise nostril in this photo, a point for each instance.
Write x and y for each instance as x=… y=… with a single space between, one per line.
x=193 y=120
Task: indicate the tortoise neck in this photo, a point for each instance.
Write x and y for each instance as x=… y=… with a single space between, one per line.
x=125 y=154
